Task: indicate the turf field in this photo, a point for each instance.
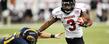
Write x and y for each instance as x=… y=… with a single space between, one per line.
x=97 y=34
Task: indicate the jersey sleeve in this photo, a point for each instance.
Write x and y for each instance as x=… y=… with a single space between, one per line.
x=81 y=6
x=56 y=13
x=83 y=9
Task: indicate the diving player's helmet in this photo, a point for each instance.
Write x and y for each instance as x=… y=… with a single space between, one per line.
x=29 y=35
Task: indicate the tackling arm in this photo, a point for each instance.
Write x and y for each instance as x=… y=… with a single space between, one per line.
x=49 y=35
x=47 y=24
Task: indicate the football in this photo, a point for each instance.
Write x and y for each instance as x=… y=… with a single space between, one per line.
x=81 y=21
x=84 y=22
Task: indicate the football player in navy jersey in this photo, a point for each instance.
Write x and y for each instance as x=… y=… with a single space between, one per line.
x=27 y=36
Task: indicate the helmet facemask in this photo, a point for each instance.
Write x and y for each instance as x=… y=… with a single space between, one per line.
x=68 y=5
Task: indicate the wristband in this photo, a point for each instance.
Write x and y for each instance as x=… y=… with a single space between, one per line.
x=52 y=36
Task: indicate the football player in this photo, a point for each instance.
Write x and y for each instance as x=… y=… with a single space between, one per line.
x=69 y=14
x=102 y=10
x=27 y=36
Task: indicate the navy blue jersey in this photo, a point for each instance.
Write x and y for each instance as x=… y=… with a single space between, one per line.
x=14 y=39
x=26 y=36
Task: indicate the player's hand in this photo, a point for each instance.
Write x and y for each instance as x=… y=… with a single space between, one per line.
x=59 y=35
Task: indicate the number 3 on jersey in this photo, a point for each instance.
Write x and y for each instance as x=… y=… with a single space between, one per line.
x=71 y=22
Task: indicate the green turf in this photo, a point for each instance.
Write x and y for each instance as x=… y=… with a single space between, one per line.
x=97 y=34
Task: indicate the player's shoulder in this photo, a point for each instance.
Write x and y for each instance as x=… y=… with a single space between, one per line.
x=56 y=10
x=56 y=13
x=80 y=6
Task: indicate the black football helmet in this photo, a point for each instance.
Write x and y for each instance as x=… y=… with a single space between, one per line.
x=68 y=5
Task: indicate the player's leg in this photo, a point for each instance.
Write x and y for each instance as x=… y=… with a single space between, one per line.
x=75 y=41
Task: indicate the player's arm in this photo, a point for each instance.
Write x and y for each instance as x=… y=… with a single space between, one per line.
x=49 y=35
x=86 y=19
x=47 y=23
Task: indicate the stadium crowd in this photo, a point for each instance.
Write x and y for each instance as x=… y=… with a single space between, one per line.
x=29 y=11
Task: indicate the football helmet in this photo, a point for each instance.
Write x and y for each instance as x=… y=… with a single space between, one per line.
x=68 y=5
x=29 y=35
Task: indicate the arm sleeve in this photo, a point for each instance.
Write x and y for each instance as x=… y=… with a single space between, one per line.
x=54 y=14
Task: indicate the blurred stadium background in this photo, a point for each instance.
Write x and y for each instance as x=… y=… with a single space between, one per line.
x=15 y=14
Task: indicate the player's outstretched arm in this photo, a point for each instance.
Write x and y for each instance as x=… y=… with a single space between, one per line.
x=47 y=23
x=49 y=35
